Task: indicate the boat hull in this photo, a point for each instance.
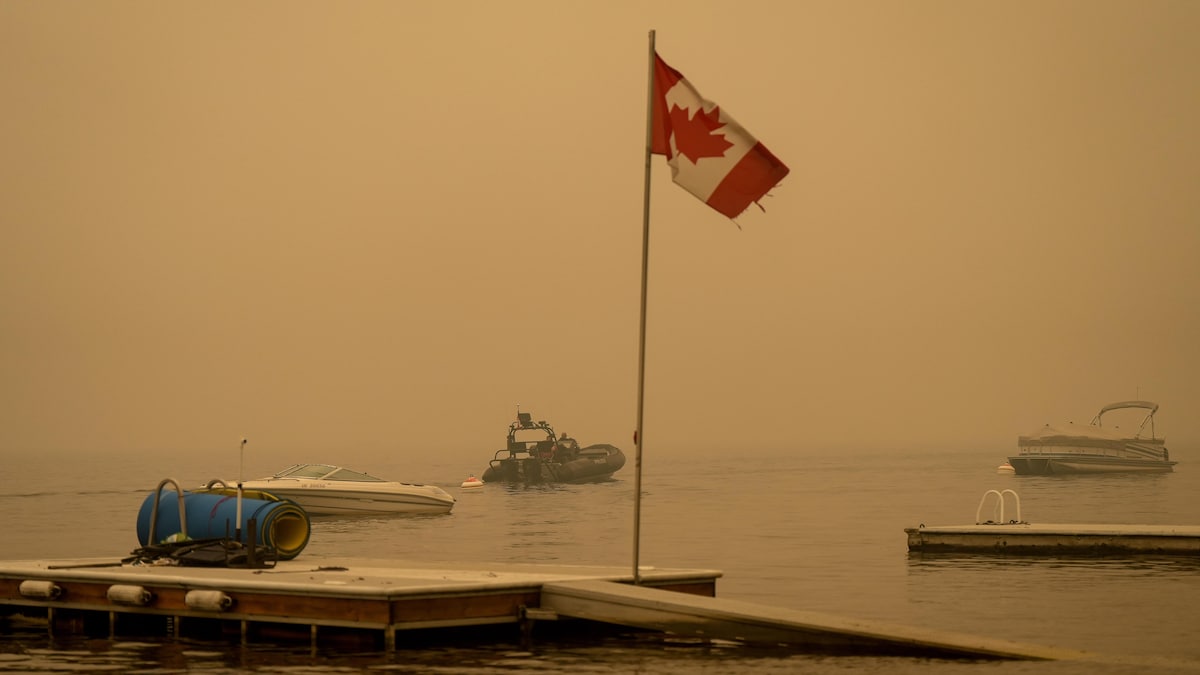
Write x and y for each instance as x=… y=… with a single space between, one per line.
x=333 y=501
x=1056 y=464
x=597 y=463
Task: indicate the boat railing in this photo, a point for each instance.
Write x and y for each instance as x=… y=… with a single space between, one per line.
x=154 y=510
x=512 y=453
x=1098 y=420
x=998 y=508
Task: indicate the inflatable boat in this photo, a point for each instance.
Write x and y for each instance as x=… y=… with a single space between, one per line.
x=534 y=454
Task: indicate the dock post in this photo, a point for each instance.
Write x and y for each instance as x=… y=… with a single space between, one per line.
x=389 y=639
x=526 y=616
x=112 y=625
x=251 y=543
x=245 y=631
x=526 y=627
x=312 y=647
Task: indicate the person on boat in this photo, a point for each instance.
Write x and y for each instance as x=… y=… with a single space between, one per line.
x=565 y=448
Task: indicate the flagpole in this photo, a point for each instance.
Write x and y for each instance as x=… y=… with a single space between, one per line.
x=638 y=437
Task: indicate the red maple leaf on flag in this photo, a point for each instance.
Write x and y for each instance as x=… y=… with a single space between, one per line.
x=694 y=137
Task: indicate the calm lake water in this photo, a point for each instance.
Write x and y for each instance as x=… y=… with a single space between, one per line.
x=808 y=530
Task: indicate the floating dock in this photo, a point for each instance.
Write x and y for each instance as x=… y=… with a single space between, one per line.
x=391 y=602
x=1056 y=538
x=1015 y=536
x=387 y=598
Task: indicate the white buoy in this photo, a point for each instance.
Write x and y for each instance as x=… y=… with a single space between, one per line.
x=124 y=594
x=44 y=590
x=215 y=601
x=472 y=482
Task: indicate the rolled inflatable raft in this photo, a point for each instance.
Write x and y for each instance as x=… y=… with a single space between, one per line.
x=281 y=524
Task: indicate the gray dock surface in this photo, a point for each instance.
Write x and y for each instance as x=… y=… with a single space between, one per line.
x=1051 y=538
x=710 y=617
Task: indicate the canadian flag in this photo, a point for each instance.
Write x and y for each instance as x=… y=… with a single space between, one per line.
x=710 y=154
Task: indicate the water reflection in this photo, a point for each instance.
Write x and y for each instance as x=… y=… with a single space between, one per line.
x=919 y=562
x=607 y=652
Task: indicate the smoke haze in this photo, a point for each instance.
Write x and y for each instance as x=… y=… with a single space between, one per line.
x=384 y=225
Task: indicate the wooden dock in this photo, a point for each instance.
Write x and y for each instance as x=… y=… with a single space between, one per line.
x=1053 y=538
x=386 y=601
x=385 y=597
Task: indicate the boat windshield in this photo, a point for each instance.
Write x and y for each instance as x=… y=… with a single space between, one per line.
x=326 y=472
x=347 y=474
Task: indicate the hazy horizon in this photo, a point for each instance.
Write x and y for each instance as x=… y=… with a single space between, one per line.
x=384 y=226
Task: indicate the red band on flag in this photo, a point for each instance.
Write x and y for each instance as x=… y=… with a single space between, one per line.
x=665 y=77
x=748 y=182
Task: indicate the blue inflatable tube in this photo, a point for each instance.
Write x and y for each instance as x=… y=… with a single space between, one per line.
x=281 y=524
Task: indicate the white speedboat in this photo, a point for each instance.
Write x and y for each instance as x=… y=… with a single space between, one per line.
x=1094 y=448
x=327 y=490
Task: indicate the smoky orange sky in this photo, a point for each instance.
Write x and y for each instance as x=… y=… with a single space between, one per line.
x=385 y=225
